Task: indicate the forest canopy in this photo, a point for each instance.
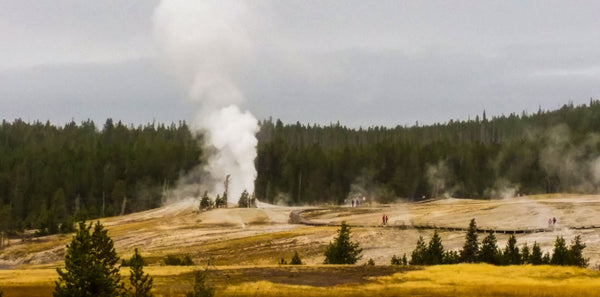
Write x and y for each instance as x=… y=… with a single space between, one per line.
x=52 y=175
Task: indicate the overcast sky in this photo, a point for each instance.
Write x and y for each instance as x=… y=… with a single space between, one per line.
x=361 y=63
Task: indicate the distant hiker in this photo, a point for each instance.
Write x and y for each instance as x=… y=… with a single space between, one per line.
x=352 y=202
x=386 y=219
x=383 y=219
x=554 y=221
x=550 y=222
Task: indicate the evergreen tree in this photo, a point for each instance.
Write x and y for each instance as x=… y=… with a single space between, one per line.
x=451 y=257
x=296 y=259
x=435 y=250
x=244 y=200
x=576 y=253
x=396 y=260
x=560 y=255
x=511 y=254
x=201 y=289
x=471 y=247
x=205 y=202
x=342 y=250
x=419 y=254
x=488 y=253
x=546 y=258
x=525 y=254
x=404 y=261
x=141 y=283
x=90 y=265
x=536 y=254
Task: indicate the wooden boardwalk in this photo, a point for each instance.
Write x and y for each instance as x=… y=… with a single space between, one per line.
x=297 y=218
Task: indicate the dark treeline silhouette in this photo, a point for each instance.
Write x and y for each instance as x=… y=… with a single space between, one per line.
x=544 y=152
x=51 y=175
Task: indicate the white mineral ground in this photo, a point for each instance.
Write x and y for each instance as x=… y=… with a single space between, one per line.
x=179 y=228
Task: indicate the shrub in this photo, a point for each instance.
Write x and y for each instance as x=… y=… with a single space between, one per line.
x=185 y=260
x=396 y=260
x=371 y=262
x=201 y=289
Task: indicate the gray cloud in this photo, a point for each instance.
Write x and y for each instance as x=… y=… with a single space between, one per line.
x=360 y=62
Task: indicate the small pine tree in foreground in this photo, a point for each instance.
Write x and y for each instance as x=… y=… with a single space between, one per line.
x=141 y=283
x=201 y=289
x=342 y=250
x=90 y=265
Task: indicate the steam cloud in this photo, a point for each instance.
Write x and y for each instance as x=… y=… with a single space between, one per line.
x=204 y=45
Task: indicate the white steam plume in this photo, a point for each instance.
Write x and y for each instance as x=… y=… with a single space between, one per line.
x=205 y=45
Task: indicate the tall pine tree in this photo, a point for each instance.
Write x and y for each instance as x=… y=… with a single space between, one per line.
x=471 y=247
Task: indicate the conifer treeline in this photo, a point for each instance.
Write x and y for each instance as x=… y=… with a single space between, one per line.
x=48 y=174
x=478 y=158
x=489 y=252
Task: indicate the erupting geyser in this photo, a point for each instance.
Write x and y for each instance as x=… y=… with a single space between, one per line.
x=204 y=45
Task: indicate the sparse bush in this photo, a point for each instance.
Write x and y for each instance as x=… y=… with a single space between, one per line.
x=173 y=260
x=282 y=261
x=201 y=289
x=396 y=260
x=296 y=259
x=141 y=283
x=342 y=250
x=371 y=262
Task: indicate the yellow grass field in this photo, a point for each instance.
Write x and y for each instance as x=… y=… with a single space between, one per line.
x=241 y=249
x=443 y=280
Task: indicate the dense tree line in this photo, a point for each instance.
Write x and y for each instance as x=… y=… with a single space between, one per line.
x=51 y=174
x=488 y=252
x=543 y=152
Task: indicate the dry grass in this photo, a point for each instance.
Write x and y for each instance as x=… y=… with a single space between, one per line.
x=339 y=280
